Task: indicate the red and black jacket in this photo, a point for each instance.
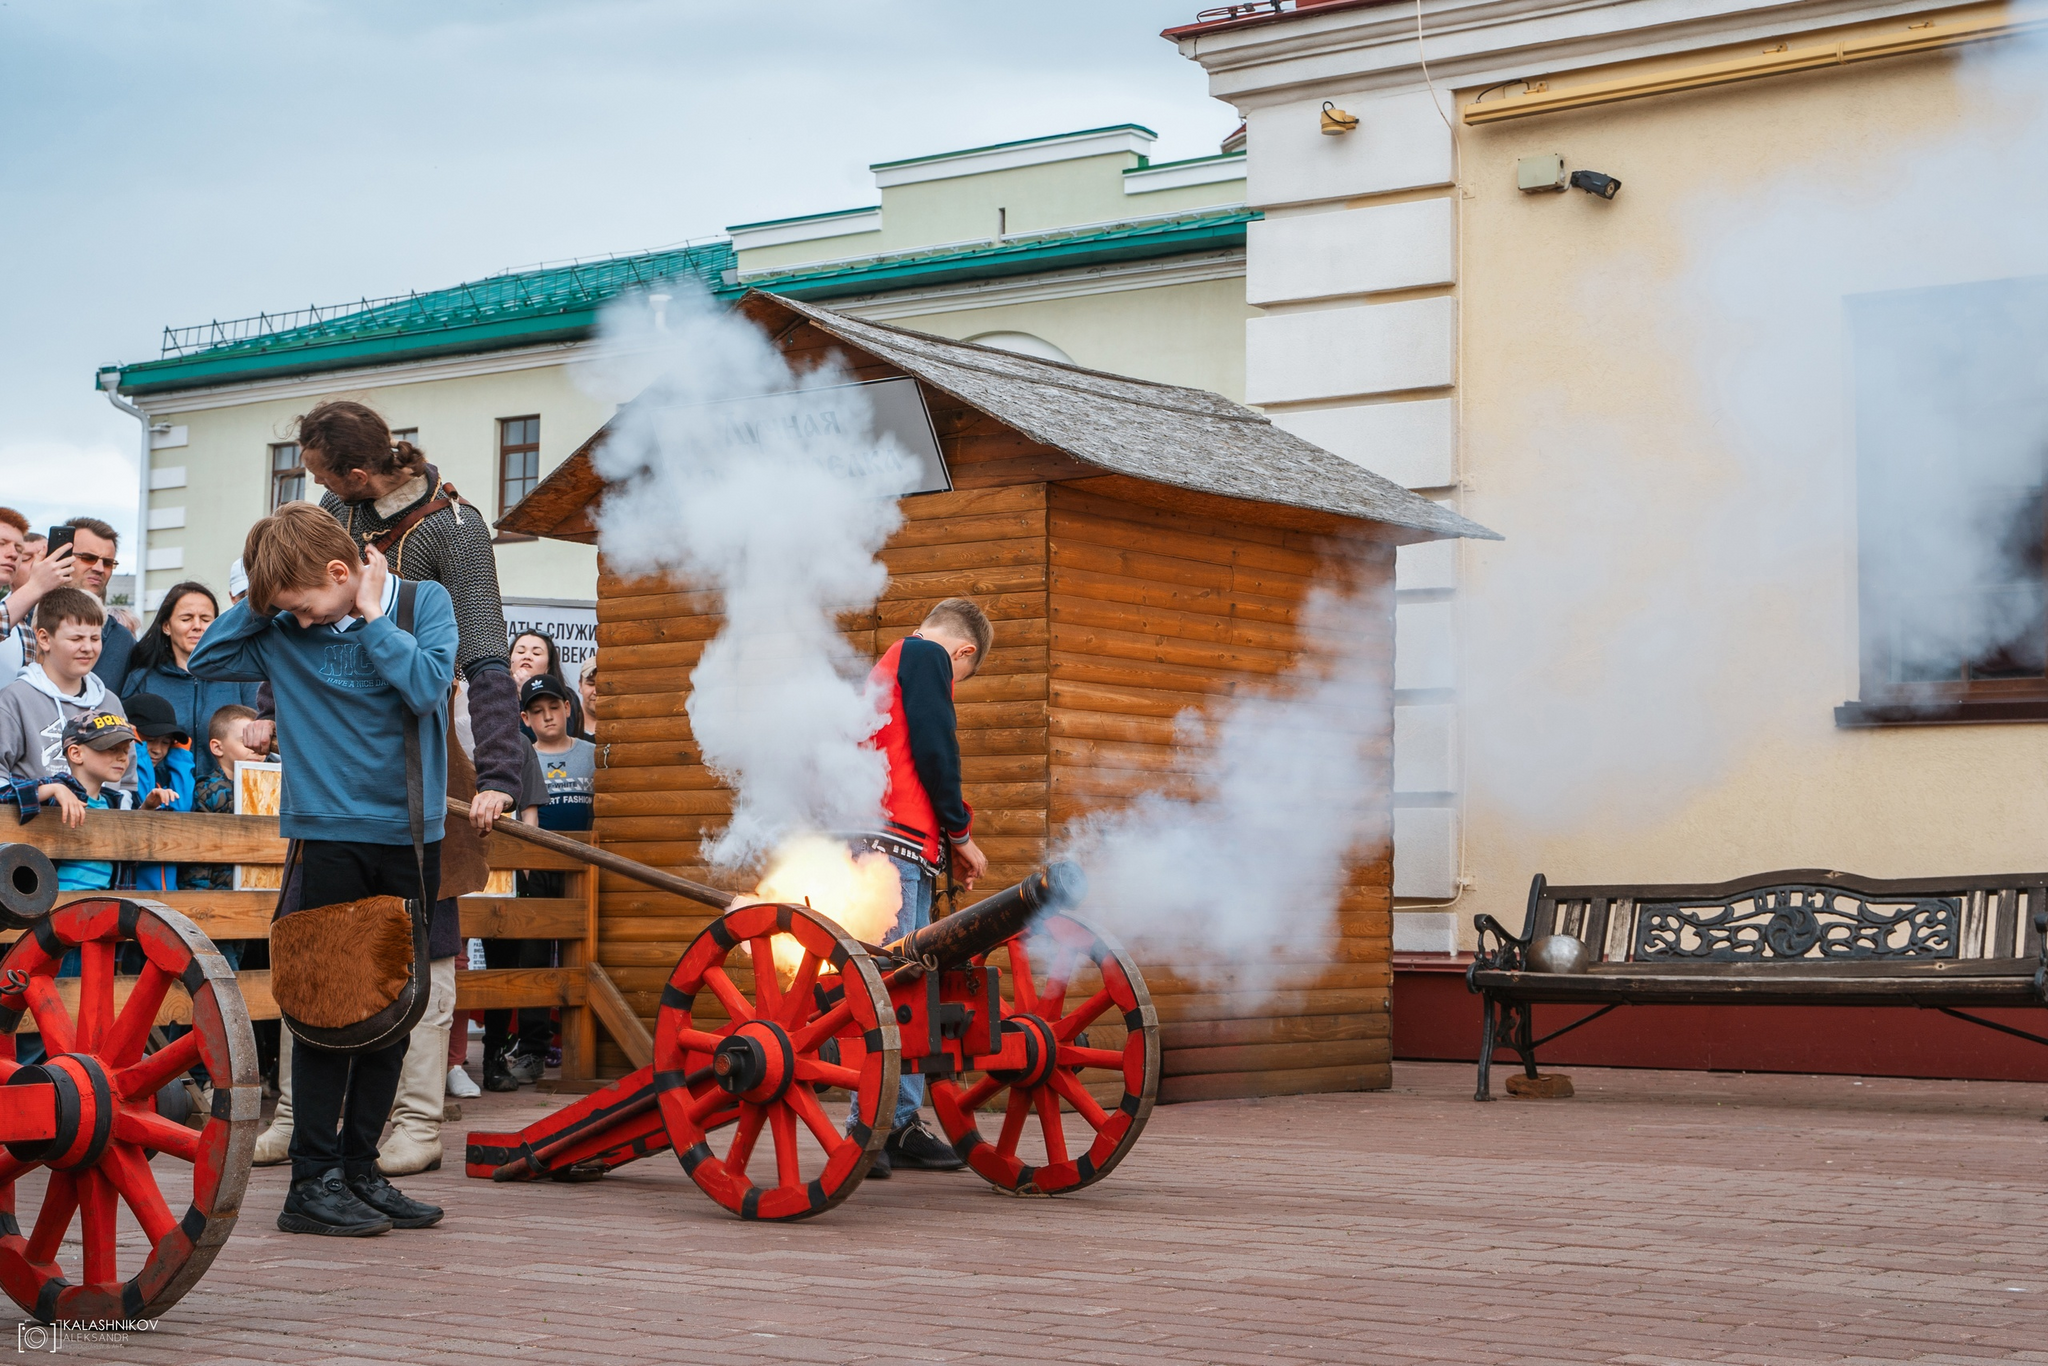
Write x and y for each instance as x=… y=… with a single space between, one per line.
x=923 y=805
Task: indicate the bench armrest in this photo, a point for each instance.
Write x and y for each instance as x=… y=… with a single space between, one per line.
x=1497 y=948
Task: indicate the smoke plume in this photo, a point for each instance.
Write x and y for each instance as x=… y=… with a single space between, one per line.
x=1845 y=454
x=736 y=473
x=1236 y=872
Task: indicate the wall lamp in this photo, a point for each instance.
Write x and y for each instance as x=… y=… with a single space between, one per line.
x=1336 y=122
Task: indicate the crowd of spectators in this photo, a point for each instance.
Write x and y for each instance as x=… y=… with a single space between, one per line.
x=102 y=713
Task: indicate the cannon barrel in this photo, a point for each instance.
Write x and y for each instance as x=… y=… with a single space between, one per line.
x=954 y=939
x=28 y=885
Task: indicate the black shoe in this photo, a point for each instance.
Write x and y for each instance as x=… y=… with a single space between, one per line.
x=524 y=1068
x=498 y=1079
x=916 y=1147
x=325 y=1204
x=386 y=1199
x=878 y=1168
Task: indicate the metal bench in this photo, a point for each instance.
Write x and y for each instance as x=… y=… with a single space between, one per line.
x=1806 y=936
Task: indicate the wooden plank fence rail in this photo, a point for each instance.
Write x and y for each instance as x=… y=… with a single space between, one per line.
x=192 y=837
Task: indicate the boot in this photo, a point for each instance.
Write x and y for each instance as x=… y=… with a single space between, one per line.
x=414 y=1144
x=274 y=1145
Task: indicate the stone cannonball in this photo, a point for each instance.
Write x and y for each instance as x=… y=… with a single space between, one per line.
x=1559 y=953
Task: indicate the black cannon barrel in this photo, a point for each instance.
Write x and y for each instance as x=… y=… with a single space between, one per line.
x=953 y=940
x=28 y=885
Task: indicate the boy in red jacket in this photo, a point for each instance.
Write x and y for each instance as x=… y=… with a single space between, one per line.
x=927 y=820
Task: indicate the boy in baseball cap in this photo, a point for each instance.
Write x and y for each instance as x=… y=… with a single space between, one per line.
x=167 y=747
x=97 y=746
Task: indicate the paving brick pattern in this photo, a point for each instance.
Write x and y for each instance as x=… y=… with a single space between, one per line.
x=1656 y=1217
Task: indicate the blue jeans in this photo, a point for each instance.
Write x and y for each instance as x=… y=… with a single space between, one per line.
x=915 y=915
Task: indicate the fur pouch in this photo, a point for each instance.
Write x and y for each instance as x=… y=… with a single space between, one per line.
x=347 y=976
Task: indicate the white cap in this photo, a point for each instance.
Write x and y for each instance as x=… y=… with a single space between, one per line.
x=238 y=580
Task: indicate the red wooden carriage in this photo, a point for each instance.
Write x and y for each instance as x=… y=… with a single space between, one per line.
x=87 y=1113
x=992 y=1003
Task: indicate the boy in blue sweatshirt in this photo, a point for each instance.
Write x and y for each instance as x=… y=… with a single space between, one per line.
x=318 y=626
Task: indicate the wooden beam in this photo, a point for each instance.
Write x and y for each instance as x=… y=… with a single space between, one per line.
x=505 y=917
x=156 y=837
x=490 y=989
x=618 y=1017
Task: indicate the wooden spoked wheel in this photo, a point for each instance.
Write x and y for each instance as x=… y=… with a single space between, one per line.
x=97 y=1138
x=1085 y=979
x=761 y=1068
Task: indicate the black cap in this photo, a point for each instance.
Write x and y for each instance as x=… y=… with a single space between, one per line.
x=153 y=717
x=539 y=686
x=97 y=730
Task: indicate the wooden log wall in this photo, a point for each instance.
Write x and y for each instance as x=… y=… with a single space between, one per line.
x=1154 y=612
x=1111 y=617
x=656 y=799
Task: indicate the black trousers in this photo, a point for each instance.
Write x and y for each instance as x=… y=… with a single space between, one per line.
x=536 y=1029
x=340 y=1100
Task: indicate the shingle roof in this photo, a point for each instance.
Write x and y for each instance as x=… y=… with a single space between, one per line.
x=1187 y=438
x=1184 y=438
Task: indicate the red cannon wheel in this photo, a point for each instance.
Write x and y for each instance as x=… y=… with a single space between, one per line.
x=1074 y=951
x=764 y=1066
x=98 y=1142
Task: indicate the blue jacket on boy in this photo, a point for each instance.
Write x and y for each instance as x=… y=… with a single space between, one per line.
x=345 y=694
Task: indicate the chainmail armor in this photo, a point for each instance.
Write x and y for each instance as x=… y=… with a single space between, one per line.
x=457 y=554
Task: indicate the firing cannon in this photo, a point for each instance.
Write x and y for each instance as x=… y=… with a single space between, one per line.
x=87 y=1112
x=773 y=1007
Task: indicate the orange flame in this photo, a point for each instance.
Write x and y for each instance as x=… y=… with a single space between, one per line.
x=862 y=892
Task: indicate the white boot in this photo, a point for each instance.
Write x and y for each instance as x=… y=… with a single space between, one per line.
x=414 y=1144
x=274 y=1145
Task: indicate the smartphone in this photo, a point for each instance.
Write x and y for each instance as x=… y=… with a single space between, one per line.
x=60 y=536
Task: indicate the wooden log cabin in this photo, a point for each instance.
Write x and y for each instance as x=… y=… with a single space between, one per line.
x=1142 y=549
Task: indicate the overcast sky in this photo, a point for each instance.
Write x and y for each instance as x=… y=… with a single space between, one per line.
x=168 y=163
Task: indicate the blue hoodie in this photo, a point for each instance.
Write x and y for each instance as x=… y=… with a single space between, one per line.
x=345 y=694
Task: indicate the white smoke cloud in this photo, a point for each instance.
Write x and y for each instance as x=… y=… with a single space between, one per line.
x=1613 y=667
x=734 y=472
x=1237 y=873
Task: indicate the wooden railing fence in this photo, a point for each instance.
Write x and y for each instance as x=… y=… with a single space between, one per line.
x=579 y=986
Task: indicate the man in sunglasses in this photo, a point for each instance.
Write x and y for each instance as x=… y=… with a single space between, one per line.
x=94 y=546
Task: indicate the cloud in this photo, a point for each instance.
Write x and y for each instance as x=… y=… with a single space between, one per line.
x=48 y=481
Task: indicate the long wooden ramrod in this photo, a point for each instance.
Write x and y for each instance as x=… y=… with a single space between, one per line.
x=625 y=867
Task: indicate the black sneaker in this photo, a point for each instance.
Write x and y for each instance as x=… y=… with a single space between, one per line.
x=916 y=1147
x=325 y=1204
x=878 y=1168
x=524 y=1068
x=386 y=1199
x=496 y=1078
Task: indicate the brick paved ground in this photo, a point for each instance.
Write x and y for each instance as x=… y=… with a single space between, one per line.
x=1657 y=1217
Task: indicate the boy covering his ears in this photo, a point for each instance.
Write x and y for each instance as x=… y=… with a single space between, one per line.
x=317 y=625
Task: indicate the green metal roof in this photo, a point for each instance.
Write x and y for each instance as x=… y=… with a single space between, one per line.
x=561 y=303
x=1069 y=248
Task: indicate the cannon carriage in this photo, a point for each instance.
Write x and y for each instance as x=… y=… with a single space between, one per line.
x=773 y=1011
x=90 y=1110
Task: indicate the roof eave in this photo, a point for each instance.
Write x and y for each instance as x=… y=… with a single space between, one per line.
x=200 y=372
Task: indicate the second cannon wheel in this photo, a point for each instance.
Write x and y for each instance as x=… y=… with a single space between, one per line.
x=1065 y=977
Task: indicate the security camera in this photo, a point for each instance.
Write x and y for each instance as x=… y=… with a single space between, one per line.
x=1593 y=182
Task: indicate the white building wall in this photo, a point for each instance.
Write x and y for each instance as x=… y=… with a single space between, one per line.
x=1356 y=269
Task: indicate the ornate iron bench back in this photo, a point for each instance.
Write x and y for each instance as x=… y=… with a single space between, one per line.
x=1811 y=916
